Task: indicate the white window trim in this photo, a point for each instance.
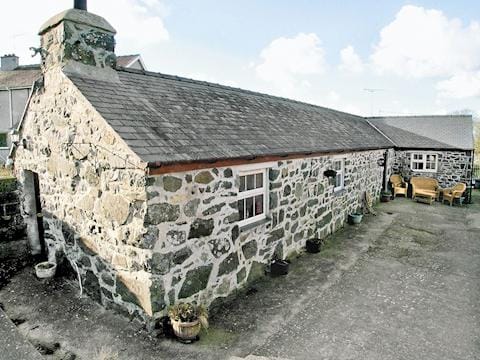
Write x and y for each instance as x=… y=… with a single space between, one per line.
x=424 y=160
x=342 y=185
x=260 y=191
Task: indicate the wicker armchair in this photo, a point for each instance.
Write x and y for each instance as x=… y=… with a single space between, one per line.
x=398 y=185
x=453 y=193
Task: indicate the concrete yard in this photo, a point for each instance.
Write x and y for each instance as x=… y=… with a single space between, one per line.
x=402 y=285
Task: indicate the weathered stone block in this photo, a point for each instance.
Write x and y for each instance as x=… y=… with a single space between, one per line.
x=172 y=183
x=204 y=177
x=164 y=212
x=229 y=264
x=201 y=227
x=250 y=249
x=275 y=235
x=196 y=280
x=190 y=208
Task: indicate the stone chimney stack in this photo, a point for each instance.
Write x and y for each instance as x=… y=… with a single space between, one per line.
x=9 y=62
x=77 y=39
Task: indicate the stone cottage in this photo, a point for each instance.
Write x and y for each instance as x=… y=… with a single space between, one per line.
x=435 y=146
x=159 y=188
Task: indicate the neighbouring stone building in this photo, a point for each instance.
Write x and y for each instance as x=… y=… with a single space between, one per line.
x=159 y=188
x=435 y=146
x=16 y=83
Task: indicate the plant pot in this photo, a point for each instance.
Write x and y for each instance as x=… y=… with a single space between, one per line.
x=279 y=267
x=385 y=197
x=313 y=246
x=45 y=270
x=355 y=219
x=186 y=331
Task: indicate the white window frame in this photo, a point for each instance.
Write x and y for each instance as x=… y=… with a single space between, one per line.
x=255 y=192
x=6 y=138
x=342 y=171
x=424 y=155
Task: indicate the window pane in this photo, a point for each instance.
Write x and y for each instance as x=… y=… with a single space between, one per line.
x=258 y=204
x=241 y=209
x=250 y=182
x=3 y=140
x=419 y=166
x=249 y=208
x=338 y=180
x=259 y=180
x=337 y=165
x=242 y=183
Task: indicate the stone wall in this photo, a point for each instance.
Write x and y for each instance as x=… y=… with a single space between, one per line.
x=12 y=227
x=453 y=166
x=93 y=195
x=202 y=254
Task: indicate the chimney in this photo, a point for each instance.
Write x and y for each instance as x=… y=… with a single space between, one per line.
x=79 y=39
x=9 y=62
x=80 y=5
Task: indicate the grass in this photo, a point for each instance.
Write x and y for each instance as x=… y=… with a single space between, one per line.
x=5 y=173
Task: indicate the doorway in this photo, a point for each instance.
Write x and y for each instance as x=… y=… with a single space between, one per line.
x=33 y=213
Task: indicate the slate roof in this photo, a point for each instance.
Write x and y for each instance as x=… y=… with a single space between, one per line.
x=22 y=76
x=168 y=119
x=428 y=132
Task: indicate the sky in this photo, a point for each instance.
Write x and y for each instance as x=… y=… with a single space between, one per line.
x=360 y=56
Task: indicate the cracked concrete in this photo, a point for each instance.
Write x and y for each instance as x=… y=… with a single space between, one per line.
x=402 y=285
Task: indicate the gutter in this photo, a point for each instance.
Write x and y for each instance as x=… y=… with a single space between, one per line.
x=157 y=168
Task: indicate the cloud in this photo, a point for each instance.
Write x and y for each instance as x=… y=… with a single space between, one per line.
x=425 y=43
x=350 y=61
x=461 y=85
x=286 y=60
x=139 y=23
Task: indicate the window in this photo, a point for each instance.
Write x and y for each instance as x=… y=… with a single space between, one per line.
x=424 y=162
x=3 y=140
x=252 y=196
x=339 y=167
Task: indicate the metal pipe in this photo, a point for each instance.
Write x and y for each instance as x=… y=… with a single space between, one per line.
x=80 y=4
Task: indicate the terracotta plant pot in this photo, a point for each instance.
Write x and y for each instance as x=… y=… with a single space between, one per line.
x=186 y=331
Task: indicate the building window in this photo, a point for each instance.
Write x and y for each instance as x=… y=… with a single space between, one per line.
x=252 y=196
x=3 y=140
x=424 y=162
x=339 y=167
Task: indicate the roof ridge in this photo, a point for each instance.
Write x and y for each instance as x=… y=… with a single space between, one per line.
x=228 y=88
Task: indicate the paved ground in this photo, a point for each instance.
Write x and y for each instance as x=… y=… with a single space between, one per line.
x=402 y=285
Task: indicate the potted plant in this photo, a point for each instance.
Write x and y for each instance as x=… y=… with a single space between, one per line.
x=313 y=245
x=355 y=218
x=279 y=267
x=385 y=196
x=45 y=270
x=187 y=320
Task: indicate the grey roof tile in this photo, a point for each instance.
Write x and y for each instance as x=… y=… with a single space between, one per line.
x=428 y=132
x=169 y=119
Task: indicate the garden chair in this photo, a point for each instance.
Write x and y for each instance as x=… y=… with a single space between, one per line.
x=398 y=185
x=453 y=193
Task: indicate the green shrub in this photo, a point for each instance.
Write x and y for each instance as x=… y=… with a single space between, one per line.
x=8 y=184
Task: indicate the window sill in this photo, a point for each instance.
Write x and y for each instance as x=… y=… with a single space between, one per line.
x=339 y=192
x=250 y=226
x=425 y=171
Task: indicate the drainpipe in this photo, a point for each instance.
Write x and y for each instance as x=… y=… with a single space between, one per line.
x=470 y=185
